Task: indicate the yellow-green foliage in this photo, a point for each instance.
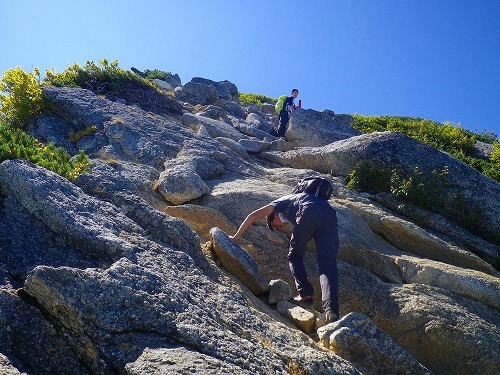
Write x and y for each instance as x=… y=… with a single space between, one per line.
x=156 y=74
x=16 y=144
x=104 y=77
x=446 y=137
x=75 y=137
x=22 y=98
x=428 y=191
x=256 y=99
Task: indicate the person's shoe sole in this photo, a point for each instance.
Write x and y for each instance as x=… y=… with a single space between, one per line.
x=306 y=302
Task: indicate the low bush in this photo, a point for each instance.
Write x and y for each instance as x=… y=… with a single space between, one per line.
x=156 y=74
x=256 y=99
x=458 y=142
x=103 y=78
x=16 y=144
x=75 y=137
x=425 y=190
x=21 y=97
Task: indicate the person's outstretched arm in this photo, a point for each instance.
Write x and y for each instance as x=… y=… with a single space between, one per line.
x=257 y=214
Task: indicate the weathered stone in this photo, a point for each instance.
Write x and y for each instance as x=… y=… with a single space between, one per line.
x=6 y=367
x=182 y=361
x=311 y=128
x=253 y=131
x=254 y=145
x=214 y=127
x=163 y=85
x=468 y=283
x=302 y=318
x=179 y=185
x=238 y=262
x=28 y=336
x=235 y=146
x=64 y=208
x=196 y=93
x=114 y=275
x=357 y=338
x=279 y=290
x=479 y=193
x=201 y=219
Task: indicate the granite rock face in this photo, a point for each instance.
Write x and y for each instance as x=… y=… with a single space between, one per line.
x=110 y=273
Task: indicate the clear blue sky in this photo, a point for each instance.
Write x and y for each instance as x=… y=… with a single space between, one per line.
x=436 y=59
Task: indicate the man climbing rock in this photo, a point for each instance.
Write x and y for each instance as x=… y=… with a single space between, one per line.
x=312 y=218
x=283 y=116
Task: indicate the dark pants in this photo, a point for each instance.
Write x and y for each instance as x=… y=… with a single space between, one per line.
x=318 y=222
x=283 y=120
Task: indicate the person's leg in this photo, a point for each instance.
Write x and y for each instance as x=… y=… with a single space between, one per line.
x=302 y=233
x=283 y=120
x=327 y=245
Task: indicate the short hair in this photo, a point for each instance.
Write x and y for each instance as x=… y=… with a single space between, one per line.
x=293 y=90
x=269 y=220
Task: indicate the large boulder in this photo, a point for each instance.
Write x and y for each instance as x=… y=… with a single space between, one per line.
x=237 y=261
x=308 y=127
x=469 y=190
x=358 y=338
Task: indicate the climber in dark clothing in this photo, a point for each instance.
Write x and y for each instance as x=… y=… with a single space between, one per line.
x=288 y=107
x=312 y=218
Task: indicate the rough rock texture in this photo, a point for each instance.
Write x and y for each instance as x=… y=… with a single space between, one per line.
x=311 y=128
x=397 y=150
x=106 y=274
x=237 y=261
x=357 y=338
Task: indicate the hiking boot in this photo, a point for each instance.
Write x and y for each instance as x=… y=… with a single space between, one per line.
x=303 y=301
x=331 y=317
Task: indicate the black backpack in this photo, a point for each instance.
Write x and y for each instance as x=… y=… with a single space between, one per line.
x=317 y=186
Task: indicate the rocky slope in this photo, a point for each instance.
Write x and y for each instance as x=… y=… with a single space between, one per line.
x=116 y=272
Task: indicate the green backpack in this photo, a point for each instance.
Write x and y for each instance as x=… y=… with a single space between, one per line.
x=279 y=105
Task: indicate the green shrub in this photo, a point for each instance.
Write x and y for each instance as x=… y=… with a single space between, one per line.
x=446 y=137
x=16 y=144
x=156 y=74
x=370 y=178
x=75 y=137
x=103 y=78
x=492 y=167
x=23 y=96
x=256 y=99
x=424 y=190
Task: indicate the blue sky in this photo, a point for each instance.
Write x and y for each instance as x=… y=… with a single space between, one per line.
x=437 y=60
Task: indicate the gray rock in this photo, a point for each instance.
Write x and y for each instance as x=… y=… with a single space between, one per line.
x=302 y=318
x=312 y=128
x=253 y=131
x=174 y=80
x=238 y=262
x=182 y=361
x=64 y=209
x=53 y=129
x=483 y=150
x=28 y=336
x=196 y=93
x=179 y=185
x=215 y=128
x=233 y=145
x=357 y=338
x=6 y=367
x=254 y=145
x=163 y=85
x=213 y=112
x=279 y=290
x=268 y=109
x=225 y=89
x=479 y=193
